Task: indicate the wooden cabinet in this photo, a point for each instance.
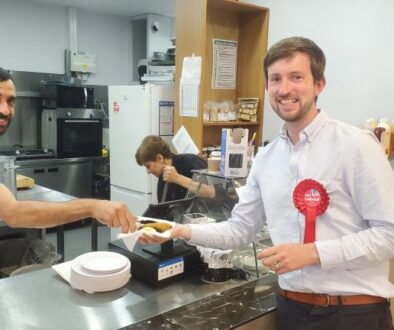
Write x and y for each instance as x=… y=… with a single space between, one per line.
x=198 y=22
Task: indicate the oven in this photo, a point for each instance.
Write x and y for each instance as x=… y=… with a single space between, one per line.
x=72 y=132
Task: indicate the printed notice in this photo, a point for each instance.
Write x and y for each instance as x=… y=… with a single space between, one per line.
x=189 y=100
x=166 y=118
x=224 y=64
x=190 y=86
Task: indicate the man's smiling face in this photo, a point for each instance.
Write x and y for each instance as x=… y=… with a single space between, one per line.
x=291 y=88
x=7 y=104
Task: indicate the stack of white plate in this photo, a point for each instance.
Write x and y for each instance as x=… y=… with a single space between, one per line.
x=99 y=271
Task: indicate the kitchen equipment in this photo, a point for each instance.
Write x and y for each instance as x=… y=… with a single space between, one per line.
x=63 y=95
x=72 y=132
x=169 y=261
x=22 y=153
x=134 y=113
x=160 y=267
x=99 y=271
x=70 y=176
x=7 y=172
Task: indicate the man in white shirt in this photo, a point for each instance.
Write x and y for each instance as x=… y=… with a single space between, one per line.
x=336 y=276
x=32 y=214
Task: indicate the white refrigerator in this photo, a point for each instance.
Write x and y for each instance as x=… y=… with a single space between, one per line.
x=135 y=112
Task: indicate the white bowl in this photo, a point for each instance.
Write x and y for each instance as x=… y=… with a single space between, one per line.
x=89 y=276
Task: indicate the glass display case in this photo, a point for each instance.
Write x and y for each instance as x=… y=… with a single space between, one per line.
x=215 y=197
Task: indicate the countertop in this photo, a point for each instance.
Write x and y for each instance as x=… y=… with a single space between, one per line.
x=43 y=300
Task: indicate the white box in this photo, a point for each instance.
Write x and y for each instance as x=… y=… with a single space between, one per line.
x=234 y=152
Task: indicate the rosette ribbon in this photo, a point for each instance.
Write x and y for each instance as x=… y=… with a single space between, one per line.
x=311 y=199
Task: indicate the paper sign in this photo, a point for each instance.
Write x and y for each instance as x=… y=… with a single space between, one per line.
x=190 y=86
x=224 y=64
x=183 y=143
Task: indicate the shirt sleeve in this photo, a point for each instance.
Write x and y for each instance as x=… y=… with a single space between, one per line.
x=370 y=180
x=247 y=219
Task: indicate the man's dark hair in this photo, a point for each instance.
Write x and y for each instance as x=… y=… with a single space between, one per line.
x=289 y=47
x=150 y=147
x=5 y=75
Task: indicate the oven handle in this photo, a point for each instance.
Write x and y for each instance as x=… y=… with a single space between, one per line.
x=85 y=92
x=82 y=121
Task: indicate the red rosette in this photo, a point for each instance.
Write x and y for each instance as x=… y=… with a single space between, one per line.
x=311 y=199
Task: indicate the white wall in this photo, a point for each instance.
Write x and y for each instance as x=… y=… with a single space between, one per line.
x=356 y=38
x=109 y=37
x=35 y=35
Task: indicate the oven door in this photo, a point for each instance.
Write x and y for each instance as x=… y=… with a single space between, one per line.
x=79 y=137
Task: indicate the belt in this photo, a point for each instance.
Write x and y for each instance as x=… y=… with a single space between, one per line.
x=325 y=300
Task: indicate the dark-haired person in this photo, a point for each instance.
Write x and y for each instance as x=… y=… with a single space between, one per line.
x=154 y=153
x=337 y=279
x=32 y=214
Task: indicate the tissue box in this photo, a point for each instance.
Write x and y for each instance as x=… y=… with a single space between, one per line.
x=234 y=151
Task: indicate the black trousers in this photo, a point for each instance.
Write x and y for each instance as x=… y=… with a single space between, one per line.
x=293 y=315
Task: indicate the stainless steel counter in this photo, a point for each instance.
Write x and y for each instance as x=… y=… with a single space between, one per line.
x=42 y=194
x=72 y=176
x=42 y=300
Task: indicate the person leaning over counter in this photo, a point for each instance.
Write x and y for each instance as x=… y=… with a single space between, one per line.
x=338 y=279
x=32 y=214
x=176 y=170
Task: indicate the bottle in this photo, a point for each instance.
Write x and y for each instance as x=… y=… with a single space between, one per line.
x=383 y=133
x=104 y=152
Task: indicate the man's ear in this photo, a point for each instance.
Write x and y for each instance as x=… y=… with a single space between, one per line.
x=319 y=86
x=159 y=158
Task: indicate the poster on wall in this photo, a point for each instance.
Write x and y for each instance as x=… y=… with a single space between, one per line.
x=224 y=64
x=190 y=86
x=166 y=118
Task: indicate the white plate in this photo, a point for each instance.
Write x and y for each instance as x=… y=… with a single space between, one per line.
x=91 y=281
x=103 y=262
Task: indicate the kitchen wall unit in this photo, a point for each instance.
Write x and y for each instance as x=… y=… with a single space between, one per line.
x=198 y=23
x=71 y=176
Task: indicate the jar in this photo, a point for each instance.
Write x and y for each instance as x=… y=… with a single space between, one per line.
x=214 y=161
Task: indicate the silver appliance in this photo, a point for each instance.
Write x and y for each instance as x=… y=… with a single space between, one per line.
x=61 y=95
x=72 y=132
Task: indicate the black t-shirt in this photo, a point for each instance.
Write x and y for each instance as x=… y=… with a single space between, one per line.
x=184 y=164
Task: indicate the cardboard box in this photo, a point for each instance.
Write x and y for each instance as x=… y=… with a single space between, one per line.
x=234 y=152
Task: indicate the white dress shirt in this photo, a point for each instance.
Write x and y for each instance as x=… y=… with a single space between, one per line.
x=354 y=237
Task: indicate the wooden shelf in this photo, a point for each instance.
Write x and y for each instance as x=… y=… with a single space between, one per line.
x=231 y=123
x=198 y=23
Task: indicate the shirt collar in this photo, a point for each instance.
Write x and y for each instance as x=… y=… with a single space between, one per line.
x=311 y=130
